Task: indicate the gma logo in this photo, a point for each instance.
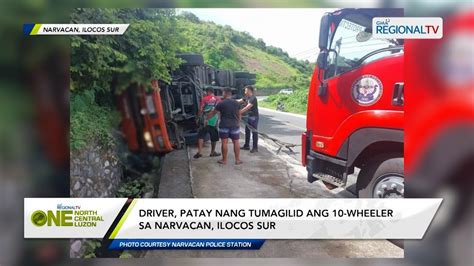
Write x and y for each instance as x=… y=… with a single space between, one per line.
x=56 y=218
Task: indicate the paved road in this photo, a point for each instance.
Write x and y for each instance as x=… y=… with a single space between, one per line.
x=283 y=126
x=288 y=127
x=262 y=175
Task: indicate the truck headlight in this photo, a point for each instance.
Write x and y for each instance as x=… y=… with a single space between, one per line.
x=147 y=138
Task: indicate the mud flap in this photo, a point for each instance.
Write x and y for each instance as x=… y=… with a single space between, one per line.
x=310 y=160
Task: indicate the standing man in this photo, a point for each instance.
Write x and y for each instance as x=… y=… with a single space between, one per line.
x=252 y=109
x=209 y=125
x=229 y=126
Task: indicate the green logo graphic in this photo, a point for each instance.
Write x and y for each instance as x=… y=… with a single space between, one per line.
x=39 y=218
x=77 y=218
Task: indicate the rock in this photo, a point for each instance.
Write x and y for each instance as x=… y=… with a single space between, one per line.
x=148 y=194
x=88 y=172
x=76 y=246
x=77 y=186
x=95 y=171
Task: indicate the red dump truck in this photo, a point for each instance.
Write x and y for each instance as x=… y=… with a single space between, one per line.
x=355 y=116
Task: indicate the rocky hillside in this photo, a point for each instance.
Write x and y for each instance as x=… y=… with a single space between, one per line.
x=224 y=47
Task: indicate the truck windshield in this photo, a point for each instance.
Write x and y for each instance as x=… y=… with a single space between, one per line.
x=353 y=45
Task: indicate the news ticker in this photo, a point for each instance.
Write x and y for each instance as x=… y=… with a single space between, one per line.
x=382 y=27
x=74 y=29
x=224 y=223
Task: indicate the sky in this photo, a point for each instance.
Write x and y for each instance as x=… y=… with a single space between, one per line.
x=295 y=30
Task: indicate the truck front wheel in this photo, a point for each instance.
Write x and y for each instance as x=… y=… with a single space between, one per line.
x=382 y=177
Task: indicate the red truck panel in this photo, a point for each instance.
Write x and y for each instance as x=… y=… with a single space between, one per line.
x=333 y=118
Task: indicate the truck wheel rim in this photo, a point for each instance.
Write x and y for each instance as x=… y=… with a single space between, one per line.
x=389 y=186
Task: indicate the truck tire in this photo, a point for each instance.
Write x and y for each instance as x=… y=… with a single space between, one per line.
x=231 y=78
x=247 y=75
x=251 y=82
x=192 y=59
x=382 y=177
x=238 y=82
x=212 y=76
x=222 y=77
x=241 y=82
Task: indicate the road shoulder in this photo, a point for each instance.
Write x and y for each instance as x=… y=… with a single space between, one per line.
x=175 y=181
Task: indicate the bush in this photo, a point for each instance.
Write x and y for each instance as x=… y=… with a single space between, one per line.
x=131 y=189
x=146 y=51
x=296 y=102
x=89 y=121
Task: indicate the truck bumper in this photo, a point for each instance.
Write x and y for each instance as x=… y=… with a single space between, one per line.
x=326 y=168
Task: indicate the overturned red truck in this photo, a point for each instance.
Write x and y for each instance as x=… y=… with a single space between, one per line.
x=356 y=106
x=160 y=117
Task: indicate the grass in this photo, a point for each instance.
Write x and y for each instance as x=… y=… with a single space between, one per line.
x=272 y=72
x=293 y=103
x=265 y=104
x=89 y=121
x=264 y=63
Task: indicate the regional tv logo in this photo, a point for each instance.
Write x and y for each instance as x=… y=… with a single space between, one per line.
x=66 y=215
x=407 y=28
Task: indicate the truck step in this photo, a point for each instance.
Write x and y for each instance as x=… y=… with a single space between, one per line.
x=329 y=179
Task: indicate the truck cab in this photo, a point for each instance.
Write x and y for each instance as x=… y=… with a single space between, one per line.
x=356 y=106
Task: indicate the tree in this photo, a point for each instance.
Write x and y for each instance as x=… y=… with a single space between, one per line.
x=146 y=51
x=190 y=16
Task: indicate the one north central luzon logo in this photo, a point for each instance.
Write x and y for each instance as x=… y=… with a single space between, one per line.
x=66 y=215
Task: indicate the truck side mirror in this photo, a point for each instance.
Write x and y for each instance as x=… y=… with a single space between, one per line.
x=322 y=61
x=324 y=32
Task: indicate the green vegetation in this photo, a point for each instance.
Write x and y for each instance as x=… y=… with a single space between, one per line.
x=224 y=47
x=91 y=247
x=90 y=121
x=294 y=103
x=102 y=66
x=137 y=187
x=131 y=189
x=146 y=51
x=126 y=255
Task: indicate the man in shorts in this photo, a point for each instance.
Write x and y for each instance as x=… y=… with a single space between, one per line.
x=252 y=110
x=229 y=125
x=209 y=125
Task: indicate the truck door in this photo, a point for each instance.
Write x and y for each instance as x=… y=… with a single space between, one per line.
x=358 y=83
